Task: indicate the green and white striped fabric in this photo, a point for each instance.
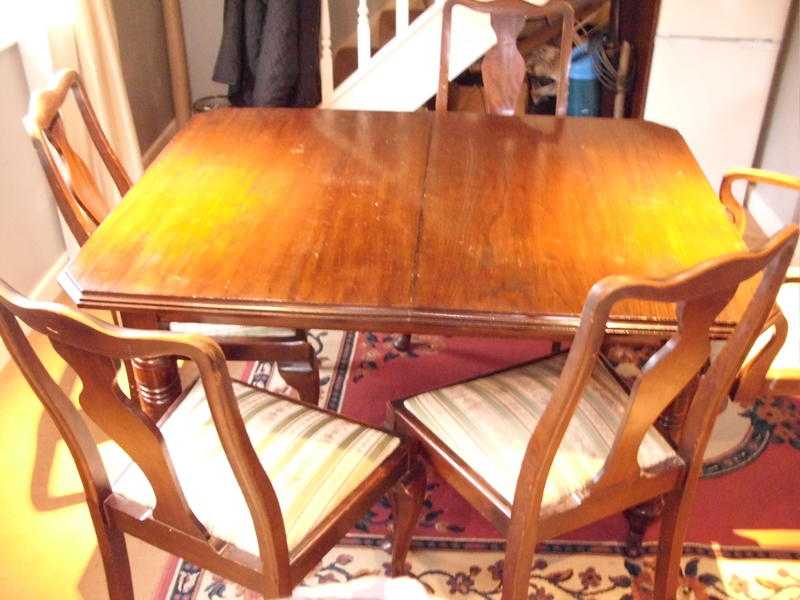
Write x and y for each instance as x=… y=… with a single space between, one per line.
x=488 y=422
x=221 y=330
x=313 y=459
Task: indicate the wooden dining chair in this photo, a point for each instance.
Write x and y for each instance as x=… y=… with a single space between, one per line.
x=773 y=366
x=503 y=66
x=550 y=446
x=253 y=486
x=83 y=207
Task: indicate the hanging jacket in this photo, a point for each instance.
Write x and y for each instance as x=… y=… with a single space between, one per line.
x=269 y=55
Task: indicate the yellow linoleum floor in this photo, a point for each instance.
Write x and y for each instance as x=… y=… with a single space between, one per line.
x=47 y=543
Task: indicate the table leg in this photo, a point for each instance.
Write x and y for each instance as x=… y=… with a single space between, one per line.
x=671 y=421
x=156 y=379
x=639 y=518
x=628 y=359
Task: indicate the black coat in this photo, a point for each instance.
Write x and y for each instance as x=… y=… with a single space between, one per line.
x=269 y=55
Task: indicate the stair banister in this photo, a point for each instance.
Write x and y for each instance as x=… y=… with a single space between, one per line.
x=364 y=35
x=326 y=54
x=401 y=16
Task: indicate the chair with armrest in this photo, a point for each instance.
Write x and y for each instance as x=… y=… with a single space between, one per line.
x=503 y=66
x=253 y=486
x=547 y=447
x=83 y=208
x=772 y=367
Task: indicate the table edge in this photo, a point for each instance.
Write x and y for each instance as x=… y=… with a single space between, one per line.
x=360 y=318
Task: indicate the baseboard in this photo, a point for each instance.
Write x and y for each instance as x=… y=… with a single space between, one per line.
x=46 y=289
x=158 y=145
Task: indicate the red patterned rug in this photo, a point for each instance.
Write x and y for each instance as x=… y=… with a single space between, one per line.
x=747 y=500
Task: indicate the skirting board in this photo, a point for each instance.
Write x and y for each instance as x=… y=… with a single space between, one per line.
x=158 y=145
x=46 y=289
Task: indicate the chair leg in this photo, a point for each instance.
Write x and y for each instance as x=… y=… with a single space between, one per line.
x=406 y=497
x=114 y=554
x=304 y=377
x=639 y=518
x=670 y=544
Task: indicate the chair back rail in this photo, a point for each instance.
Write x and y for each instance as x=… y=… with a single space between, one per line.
x=77 y=193
x=503 y=66
x=737 y=210
x=92 y=348
x=699 y=294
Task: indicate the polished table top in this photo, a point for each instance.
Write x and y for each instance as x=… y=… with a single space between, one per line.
x=415 y=222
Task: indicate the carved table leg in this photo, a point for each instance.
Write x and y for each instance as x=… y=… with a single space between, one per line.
x=639 y=518
x=156 y=379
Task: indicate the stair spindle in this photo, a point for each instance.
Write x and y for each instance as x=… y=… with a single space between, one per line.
x=401 y=16
x=364 y=34
x=326 y=55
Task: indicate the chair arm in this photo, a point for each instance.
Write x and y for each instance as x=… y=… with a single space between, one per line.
x=736 y=210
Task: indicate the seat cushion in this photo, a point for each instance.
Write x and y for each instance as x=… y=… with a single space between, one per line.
x=313 y=459
x=221 y=330
x=488 y=421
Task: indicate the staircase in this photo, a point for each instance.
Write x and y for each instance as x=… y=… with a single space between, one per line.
x=400 y=71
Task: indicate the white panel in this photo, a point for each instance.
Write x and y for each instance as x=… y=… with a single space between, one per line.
x=714 y=93
x=740 y=19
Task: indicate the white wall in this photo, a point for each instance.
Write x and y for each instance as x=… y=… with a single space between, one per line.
x=772 y=207
x=712 y=69
x=30 y=235
x=202 y=26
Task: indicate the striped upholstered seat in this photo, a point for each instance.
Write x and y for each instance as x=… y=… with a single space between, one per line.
x=313 y=458
x=221 y=330
x=487 y=423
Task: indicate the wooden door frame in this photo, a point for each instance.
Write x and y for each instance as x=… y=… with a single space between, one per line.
x=638 y=21
x=178 y=69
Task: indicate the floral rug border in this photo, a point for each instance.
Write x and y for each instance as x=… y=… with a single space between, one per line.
x=579 y=547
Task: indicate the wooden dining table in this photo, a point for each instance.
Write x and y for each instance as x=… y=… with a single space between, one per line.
x=439 y=223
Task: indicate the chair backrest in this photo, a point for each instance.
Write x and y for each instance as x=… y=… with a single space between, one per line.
x=738 y=211
x=93 y=349
x=77 y=193
x=699 y=294
x=503 y=67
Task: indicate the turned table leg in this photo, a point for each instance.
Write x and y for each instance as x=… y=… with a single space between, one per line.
x=671 y=421
x=156 y=380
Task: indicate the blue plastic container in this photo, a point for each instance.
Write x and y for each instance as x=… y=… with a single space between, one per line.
x=584 y=88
